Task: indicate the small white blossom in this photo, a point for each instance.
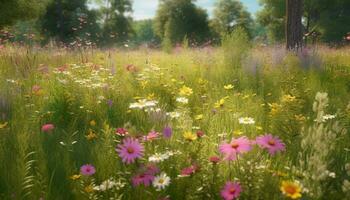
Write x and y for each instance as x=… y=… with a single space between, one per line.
x=173 y=115
x=183 y=100
x=161 y=181
x=246 y=120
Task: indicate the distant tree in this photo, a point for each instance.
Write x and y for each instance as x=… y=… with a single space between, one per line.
x=294 y=27
x=176 y=19
x=116 y=24
x=329 y=18
x=144 y=32
x=229 y=14
x=333 y=20
x=14 y=10
x=272 y=16
x=69 y=20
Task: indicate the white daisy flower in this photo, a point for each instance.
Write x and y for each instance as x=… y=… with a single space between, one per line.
x=246 y=120
x=161 y=181
x=105 y=185
x=158 y=157
x=173 y=115
x=183 y=100
x=328 y=117
x=143 y=103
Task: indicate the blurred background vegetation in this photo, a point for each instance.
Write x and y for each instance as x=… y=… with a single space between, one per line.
x=109 y=23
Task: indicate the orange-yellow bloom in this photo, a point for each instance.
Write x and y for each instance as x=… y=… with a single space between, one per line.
x=291 y=189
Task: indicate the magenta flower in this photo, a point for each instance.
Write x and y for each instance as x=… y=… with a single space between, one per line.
x=272 y=143
x=231 y=190
x=87 y=170
x=236 y=146
x=214 y=159
x=188 y=171
x=151 y=136
x=47 y=128
x=146 y=177
x=167 y=132
x=121 y=131
x=143 y=178
x=130 y=150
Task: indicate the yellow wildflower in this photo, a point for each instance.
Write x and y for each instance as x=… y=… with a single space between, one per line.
x=291 y=189
x=259 y=128
x=228 y=87
x=89 y=189
x=219 y=103
x=237 y=132
x=198 y=117
x=288 y=98
x=185 y=91
x=91 y=135
x=189 y=136
x=144 y=84
x=75 y=177
x=275 y=108
x=92 y=123
x=202 y=81
x=151 y=96
x=246 y=96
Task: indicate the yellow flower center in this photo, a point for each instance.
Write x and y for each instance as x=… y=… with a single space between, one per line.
x=290 y=189
x=232 y=190
x=130 y=150
x=235 y=145
x=271 y=142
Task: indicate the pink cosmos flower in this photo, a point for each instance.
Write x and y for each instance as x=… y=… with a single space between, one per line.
x=214 y=159
x=188 y=171
x=272 y=143
x=130 y=150
x=47 y=128
x=236 y=146
x=151 y=136
x=231 y=190
x=143 y=178
x=146 y=177
x=87 y=170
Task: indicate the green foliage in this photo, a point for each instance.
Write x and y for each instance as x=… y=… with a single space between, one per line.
x=116 y=24
x=229 y=14
x=13 y=10
x=70 y=20
x=144 y=32
x=272 y=17
x=235 y=46
x=325 y=16
x=183 y=18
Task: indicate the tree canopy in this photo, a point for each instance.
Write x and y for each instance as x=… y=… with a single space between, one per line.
x=176 y=19
x=229 y=14
x=115 y=22
x=69 y=20
x=14 y=10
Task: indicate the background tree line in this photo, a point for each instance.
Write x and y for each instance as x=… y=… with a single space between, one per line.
x=110 y=23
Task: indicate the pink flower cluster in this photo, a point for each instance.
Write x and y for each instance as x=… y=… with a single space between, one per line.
x=243 y=145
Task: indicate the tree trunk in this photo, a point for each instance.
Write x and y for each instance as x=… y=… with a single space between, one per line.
x=294 y=33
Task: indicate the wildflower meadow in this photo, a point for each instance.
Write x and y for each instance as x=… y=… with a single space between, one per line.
x=195 y=124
